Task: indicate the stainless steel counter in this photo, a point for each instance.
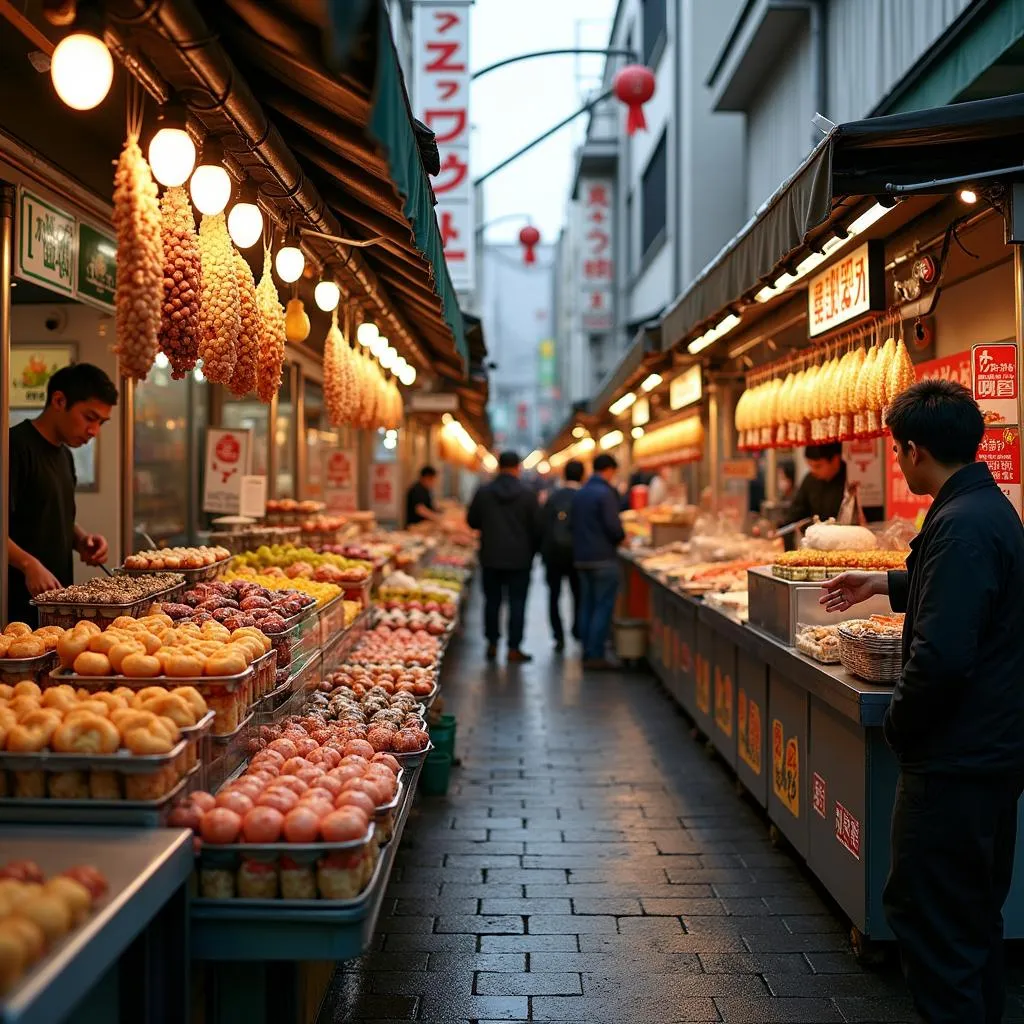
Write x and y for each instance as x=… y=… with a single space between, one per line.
x=144 y=870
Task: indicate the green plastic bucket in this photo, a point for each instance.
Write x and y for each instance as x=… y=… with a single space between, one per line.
x=436 y=772
x=442 y=734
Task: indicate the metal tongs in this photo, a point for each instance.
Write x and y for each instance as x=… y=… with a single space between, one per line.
x=799 y=525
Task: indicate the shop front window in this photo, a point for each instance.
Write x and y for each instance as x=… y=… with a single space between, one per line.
x=320 y=439
x=250 y=414
x=284 y=439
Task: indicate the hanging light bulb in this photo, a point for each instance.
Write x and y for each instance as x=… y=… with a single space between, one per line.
x=408 y=376
x=245 y=218
x=211 y=184
x=366 y=333
x=81 y=70
x=387 y=358
x=327 y=295
x=400 y=365
x=378 y=345
x=172 y=153
x=290 y=261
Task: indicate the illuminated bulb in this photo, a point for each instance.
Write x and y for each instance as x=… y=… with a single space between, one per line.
x=172 y=155
x=81 y=70
x=327 y=295
x=162 y=361
x=197 y=375
x=290 y=262
x=579 y=431
x=408 y=376
x=210 y=188
x=378 y=345
x=388 y=357
x=543 y=467
x=367 y=333
x=390 y=442
x=245 y=223
x=967 y=195
x=400 y=365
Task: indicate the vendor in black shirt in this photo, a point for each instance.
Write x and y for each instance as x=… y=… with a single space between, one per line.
x=42 y=533
x=820 y=492
x=419 y=500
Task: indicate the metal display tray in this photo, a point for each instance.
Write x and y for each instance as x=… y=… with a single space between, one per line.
x=204 y=574
x=15 y=670
x=295 y=930
x=67 y=613
x=123 y=761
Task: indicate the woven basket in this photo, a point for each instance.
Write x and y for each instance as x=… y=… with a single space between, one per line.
x=873 y=658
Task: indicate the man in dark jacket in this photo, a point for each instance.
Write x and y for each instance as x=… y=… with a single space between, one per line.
x=556 y=550
x=596 y=534
x=506 y=514
x=821 y=491
x=956 y=720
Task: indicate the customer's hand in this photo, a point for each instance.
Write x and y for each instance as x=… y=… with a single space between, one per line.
x=851 y=588
x=39 y=579
x=93 y=549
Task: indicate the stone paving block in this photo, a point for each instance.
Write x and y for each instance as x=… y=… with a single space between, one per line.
x=479 y=861
x=664 y=1010
x=435 y=906
x=406 y=925
x=834 y=962
x=528 y=876
x=804 y=903
x=619 y=906
x=451 y=985
x=777 y=1011
x=616 y=963
x=480 y=924
x=535 y=983
x=570 y=924
x=678 y=907
x=876 y=1009
x=526 y=906
x=432 y=943
x=641 y=983
x=385 y=962
x=474 y=1008
x=512 y=963
x=799 y=924
x=755 y=963
x=529 y=943
x=482 y=890
x=764 y=943
x=831 y=986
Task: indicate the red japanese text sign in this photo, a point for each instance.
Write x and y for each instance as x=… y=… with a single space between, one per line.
x=596 y=270
x=994 y=382
x=441 y=79
x=1000 y=448
x=850 y=287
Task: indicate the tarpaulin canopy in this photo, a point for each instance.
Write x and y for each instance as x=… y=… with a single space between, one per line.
x=870 y=158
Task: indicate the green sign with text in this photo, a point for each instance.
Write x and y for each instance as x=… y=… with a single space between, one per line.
x=97 y=267
x=47 y=241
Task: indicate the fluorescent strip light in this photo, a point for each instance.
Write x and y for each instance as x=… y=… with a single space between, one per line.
x=544 y=467
x=720 y=329
x=766 y=293
x=611 y=439
x=869 y=217
x=620 y=405
x=588 y=444
x=651 y=382
x=533 y=458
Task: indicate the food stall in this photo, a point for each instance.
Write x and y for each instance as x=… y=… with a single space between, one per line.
x=896 y=270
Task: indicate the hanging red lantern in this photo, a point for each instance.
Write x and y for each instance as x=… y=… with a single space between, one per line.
x=634 y=86
x=529 y=237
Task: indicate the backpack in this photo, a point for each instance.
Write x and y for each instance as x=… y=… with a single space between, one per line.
x=561 y=523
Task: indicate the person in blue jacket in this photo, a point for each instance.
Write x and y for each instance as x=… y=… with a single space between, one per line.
x=596 y=535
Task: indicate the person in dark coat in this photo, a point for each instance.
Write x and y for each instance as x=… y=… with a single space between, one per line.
x=556 y=550
x=956 y=719
x=596 y=535
x=506 y=514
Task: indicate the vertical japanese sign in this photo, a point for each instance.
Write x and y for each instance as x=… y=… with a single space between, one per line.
x=384 y=490
x=227 y=461
x=1000 y=448
x=853 y=285
x=994 y=382
x=441 y=82
x=596 y=272
x=47 y=244
x=340 y=476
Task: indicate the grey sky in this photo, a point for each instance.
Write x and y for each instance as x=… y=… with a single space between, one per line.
x=513 y=105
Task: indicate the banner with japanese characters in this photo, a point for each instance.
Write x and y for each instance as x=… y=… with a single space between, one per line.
x=994 y=382
x=441 y=81
x=849 y=288
x=596 y=270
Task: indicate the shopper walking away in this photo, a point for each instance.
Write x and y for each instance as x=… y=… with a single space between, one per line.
x=556 y=550
x=43 y=534
x=956 y=719
x=419 y=499
x=506 y=514
x=596 y=534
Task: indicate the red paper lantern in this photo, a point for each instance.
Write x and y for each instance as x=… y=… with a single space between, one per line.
x=634 y=86
x=529 y=237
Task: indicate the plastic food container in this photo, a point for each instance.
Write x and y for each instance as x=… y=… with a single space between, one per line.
x=48 y=775
x=197 y=738
x=287 y=871
x=358 y=591
x=203 y=574
x=67 y=614
x=332 y=620
x=300 y=637
x=16 y=670
x=228 y=753
x=264 y=675
x=229 y=697
x=413 y=759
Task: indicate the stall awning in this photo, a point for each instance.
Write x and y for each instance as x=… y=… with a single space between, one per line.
x=644 y=354
x=857 y=159
x=330 y=132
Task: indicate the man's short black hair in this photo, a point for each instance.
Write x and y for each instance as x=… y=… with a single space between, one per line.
x=428 y=471
x=788 y=470
x=941 y=417
x=508 y=460
x=823 y=451
x=574 y=470
x=605 y=461
x=81 y=382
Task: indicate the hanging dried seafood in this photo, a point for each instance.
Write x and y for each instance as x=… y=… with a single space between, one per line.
x=250 y=333
x=334 y=398
x=183 y=283
x=221 y=313
x=140 y=261
x=272 y=341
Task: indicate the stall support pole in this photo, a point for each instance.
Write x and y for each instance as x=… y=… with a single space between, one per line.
x=127 y=406
x=771 y=475
x=1018 y=304
x=272 y=456
x=713 y=446
x=300 y=432
x=6 y=268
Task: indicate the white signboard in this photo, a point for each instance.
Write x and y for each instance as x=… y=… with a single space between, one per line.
x=340 y=476
x=864 y=462
x=227 y=462
x=850 y=287
x=384 y=490
x=47 y=244
x=685 y=389
x=441 y=83
x=596 y=271
x=253 y=497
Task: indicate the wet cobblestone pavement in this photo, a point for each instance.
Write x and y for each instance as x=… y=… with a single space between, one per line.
x=591 y=863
